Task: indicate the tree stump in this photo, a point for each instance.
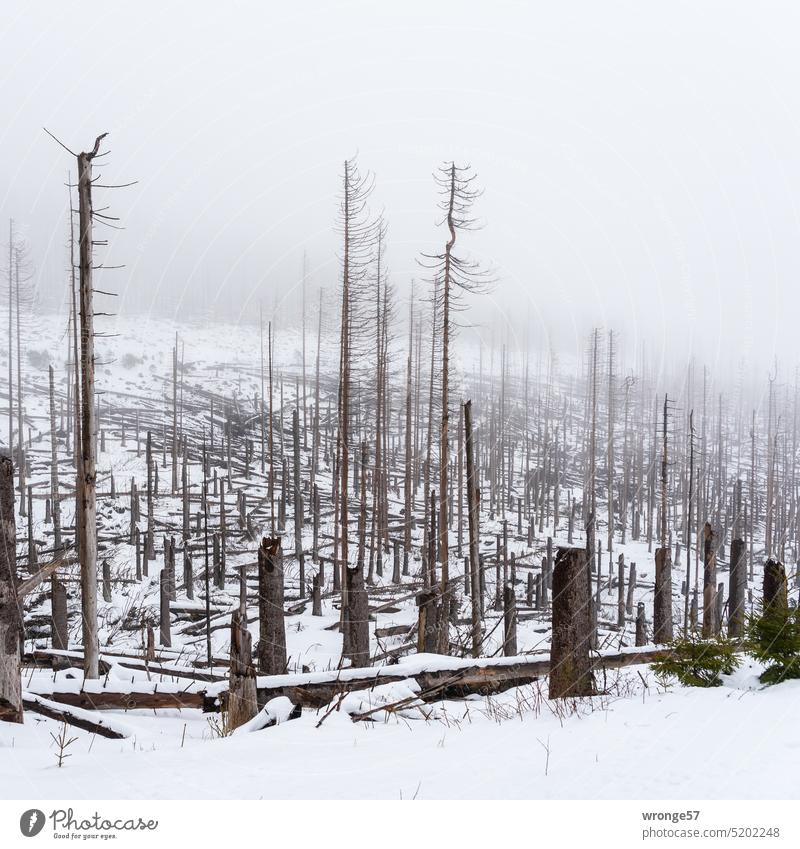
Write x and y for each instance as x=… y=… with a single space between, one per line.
x=188 y=574
x=272 y=628
x=106 y=581
x=570 y=664
x=357 y=617
x=631 y=590
x=775 y=587
x=316 y=596
x=662 y=601
x=509 y=621
x=166 y=636
x=428 y=619
x=641 y=625
x=59 y=628
x=242 y=697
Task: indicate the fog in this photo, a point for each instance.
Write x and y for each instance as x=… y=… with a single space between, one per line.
x=640 y=161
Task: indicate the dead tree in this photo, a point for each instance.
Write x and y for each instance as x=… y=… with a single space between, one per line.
x=509 y=621
x=710 y=626
x=408 y=455
x=164 y=623
x=570 y=664
x=272 y=629
x=242 y=698
x=736 y=589
x=473 y=507
x=298 y=503
x=87 y=480
x=775 y=587
x=456 y=275
x=358 y=234
x=56 y=504
x=11 y=625
x=357 y=621
x=662 y=603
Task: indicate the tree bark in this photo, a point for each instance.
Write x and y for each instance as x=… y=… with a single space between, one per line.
x=570 y=664
x=87 y=477
x=272 y=629
x=662 y=602
x=11 y=623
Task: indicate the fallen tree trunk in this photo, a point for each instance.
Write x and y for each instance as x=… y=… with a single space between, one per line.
x=52 y=710
x=30 y=583
x=149 y=699
x=469 y=677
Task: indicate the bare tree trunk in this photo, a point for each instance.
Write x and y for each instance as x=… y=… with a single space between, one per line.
x=272 y=629
x=736 y=589
x=175 y=417
x=709 y=582
x=473 y=518
x=662 y=603
x=570 y=664
x=407 y=483
x=56 y=503
x=10 y=335
x=11 y=624
x=242 y=697
x=298 y=504
x=357 y=622
x=87 y=476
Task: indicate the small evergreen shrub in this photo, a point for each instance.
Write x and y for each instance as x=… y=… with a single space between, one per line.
x=696 y=662
x=773 y=637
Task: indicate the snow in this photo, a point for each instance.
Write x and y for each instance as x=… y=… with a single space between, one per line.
x=638 y=741
x=642 y=743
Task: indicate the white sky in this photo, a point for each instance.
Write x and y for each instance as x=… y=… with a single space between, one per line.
x=641 y=161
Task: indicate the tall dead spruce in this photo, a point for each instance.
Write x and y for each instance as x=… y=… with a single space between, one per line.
x=87 y=473
x=358 y=232
x=455 y=275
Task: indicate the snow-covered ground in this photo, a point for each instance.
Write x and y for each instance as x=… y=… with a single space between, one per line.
x=637 y=741
x=734 y=741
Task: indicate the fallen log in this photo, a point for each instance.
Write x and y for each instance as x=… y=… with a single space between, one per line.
x=449 y=678
x=30 y=583
x=141 y=699
x=52 y=710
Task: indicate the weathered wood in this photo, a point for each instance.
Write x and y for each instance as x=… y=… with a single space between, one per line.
x=357 y=617
x=164 y=621
x=775 y=587
x=241 y=703
x=59 y=626
x=662 y=600
x=483 y=677
x=87 y=474
x=641 y=625
x=115 y=700
x=710 y=625
x=52 y=710
x=316 y=596
x=427 y=619
x=571 y=670
x=473 y=522
x=736 y=587
x=11 y=622
x=509 y=621
x=30 y=583
x=272 y=628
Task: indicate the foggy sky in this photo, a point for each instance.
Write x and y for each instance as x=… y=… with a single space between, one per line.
x=641 y=161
